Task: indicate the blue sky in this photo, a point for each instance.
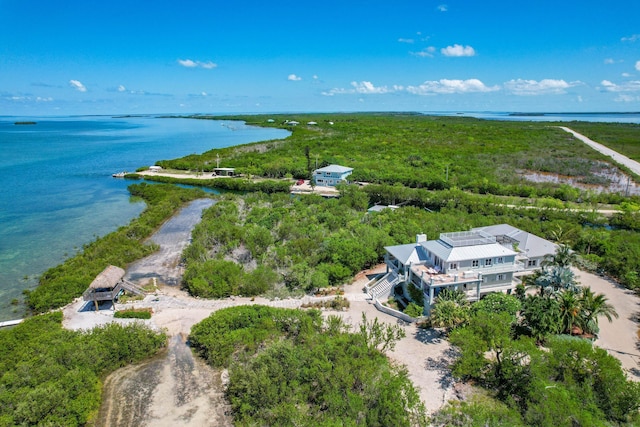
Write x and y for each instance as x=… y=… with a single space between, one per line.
x=117 y=57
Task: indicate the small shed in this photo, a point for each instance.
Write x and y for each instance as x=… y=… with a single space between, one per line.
x=155 y=168
x=224 y=171
x=108 y=285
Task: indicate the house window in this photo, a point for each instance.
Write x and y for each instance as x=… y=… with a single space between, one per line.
x=487 y=261
x=327 y=173
x=453 y=266
x=475 y=263
x=499 y=260
x=500 y=277
x=532 y=263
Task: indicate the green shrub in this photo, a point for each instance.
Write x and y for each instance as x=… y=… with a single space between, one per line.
x=133 y=313
x=413 y=310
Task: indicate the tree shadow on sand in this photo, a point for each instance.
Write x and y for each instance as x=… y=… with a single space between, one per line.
x=429 y=336
x=442 y=366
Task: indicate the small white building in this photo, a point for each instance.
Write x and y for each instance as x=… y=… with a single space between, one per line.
x=224 y=172
x=332 y=175
x=155 y=168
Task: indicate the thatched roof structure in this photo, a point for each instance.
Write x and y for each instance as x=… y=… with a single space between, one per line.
x=108 y=279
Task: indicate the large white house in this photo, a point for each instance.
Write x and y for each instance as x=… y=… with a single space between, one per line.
x=479 y=261
x=332 y=175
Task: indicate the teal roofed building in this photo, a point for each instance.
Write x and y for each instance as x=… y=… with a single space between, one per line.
x=332 y=175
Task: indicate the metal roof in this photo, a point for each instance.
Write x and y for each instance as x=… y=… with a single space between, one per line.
x=409 y=253
x=450 y=253
x=529 y=244
x=335 y=168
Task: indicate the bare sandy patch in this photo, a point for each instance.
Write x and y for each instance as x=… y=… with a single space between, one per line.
x=619 y=337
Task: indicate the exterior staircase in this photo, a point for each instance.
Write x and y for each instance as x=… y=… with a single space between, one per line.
x=130 y=287
x=383 y=286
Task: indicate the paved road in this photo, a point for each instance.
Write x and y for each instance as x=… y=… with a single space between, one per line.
x=617 y=157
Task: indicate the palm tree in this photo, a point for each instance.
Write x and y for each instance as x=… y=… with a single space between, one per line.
x=454 y=295
x=447 y=314
x=570 y=310
x=593 y=306
x=554 y=278
x=564 y=257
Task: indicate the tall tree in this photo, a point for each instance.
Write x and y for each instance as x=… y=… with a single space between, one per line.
x=593 y=306
x=570 y=310
x=564 y=257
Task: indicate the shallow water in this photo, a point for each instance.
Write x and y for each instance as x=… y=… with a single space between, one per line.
x=58 y=193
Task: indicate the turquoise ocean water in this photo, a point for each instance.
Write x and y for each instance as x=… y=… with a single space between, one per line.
x=57 y=190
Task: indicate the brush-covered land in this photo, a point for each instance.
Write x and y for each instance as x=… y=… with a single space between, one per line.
x=50 y=376
x=292 y=367
x=464 y=172
x=417 y=151
x=448 y=174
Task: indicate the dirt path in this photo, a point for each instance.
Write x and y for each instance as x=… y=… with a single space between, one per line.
x=619 y=337
x=617 y=157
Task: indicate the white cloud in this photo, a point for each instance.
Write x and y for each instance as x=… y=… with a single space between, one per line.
x=121 y=88
x=77 y=85
x=626 y=75
x=638 y=65
x=543 y=87
x=204 y=93
x=631 y=86
x=631 y=38
x=627 y=98
x=458 y=50
x=363 y=87
x=442 y=8
x=427 y=52
x=368 y=87
x=402 y=40
x=47 y=99
x=609 y=61
x=208 y=65
x=446 y=86
x=189 y=63
x=315 y=77
x=294 y=78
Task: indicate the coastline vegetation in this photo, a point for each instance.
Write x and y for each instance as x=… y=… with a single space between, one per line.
x=61 y=284
x=230 y=184
x=53 y=376
x=412 y=150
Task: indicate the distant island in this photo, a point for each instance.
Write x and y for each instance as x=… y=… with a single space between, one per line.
x=25 y=123
x=572 y=114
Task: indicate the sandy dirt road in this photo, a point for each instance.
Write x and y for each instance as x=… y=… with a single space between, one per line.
x=617 y=157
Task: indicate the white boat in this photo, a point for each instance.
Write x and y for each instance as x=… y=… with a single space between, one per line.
x=119 y=174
